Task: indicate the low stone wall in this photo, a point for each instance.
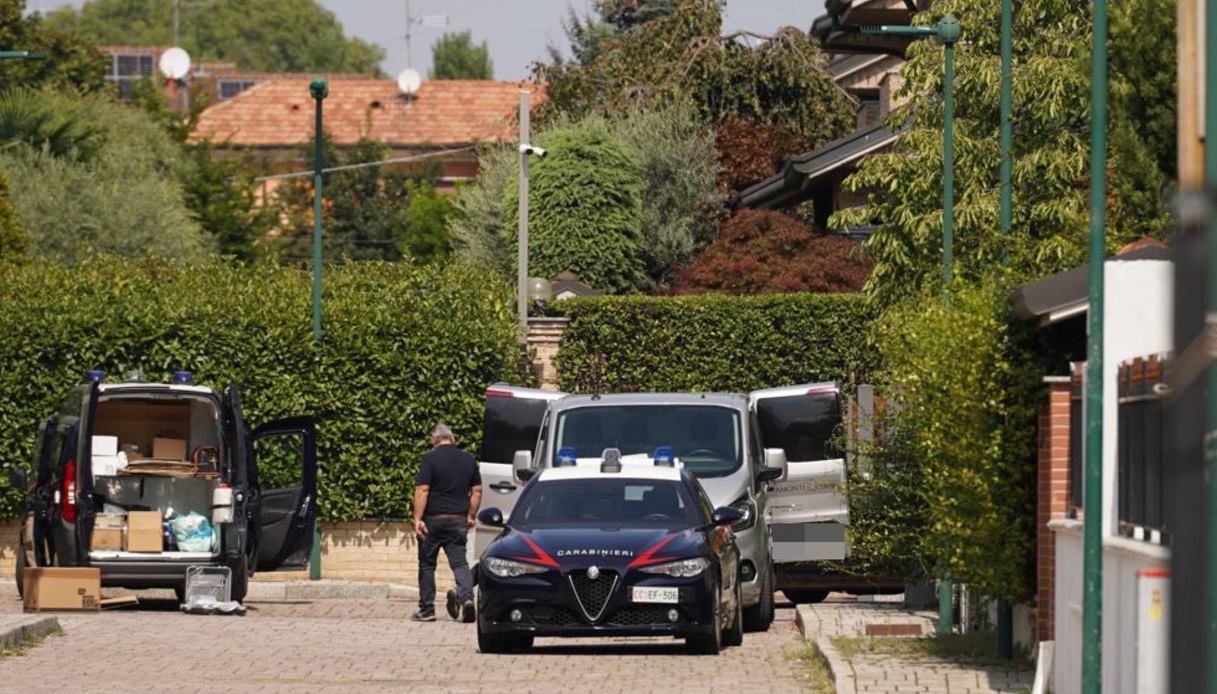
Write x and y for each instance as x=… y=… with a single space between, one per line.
x=362 y=551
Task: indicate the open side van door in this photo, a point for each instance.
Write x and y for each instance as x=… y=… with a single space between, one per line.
x=285 y=453
x=86 y=510
x=42 y=501
x=513 y=421
x=808 y=508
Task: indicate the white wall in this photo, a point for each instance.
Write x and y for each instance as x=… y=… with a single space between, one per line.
x=1137 y=323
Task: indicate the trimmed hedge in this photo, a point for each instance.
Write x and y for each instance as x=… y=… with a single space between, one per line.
x=404 y=347
x=712 y=342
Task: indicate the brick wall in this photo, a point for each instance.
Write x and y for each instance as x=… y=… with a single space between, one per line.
x=363 y=551
x=1052 y=495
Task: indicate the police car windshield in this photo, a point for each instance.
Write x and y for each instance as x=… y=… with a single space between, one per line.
x=601 y=501
x=705 y=438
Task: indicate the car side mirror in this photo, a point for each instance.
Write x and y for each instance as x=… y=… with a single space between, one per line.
x=726 y=515
x=19 y=479
x=526 y=474
x=522 y=460
x=775 y=465
x=491 y=516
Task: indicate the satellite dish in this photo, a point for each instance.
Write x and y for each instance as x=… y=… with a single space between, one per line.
x=409 y=81
x=175 y=63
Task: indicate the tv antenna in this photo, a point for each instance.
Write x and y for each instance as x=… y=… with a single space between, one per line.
x=413 y=20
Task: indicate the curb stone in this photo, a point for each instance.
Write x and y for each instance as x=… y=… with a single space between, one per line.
x=839 y=669
x=32 y=626
x=327 y=590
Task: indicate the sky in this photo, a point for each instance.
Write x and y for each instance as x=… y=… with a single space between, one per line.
x=517 y=31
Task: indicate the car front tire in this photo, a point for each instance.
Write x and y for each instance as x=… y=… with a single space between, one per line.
x=711 y=642
x=502 y=643
x=735 y=634
x=760 y=616
x=21 y=570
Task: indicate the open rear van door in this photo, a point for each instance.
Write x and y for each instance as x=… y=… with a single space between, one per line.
x=808 y=509
x=285 y=455
x=512 y=423
x=42 y=500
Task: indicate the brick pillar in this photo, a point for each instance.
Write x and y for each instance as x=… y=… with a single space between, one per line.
x=1052 y=496
x=544 y=337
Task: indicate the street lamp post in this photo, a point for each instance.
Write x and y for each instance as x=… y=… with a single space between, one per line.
x=1005 y=616
x=947 y=32
x=319 y=89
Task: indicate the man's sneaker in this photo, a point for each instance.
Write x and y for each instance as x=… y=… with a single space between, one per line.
x=423 y=616
x=454 y=604
x=467 y=612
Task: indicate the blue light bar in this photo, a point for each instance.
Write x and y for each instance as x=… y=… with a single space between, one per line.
x=183 y=377
x=665 y=456
x=566 y=456
x=94 y=376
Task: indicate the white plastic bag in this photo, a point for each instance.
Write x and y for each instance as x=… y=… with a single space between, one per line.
x=192 y=533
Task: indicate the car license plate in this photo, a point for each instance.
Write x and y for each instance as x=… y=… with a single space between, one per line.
x=666 y=595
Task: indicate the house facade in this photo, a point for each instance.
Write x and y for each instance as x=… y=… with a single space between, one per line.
x=1137 y=348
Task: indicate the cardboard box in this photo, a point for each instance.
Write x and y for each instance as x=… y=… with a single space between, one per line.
x=105 y=465
x=58 y=588
x=168 y=449
x=145 y=532
x=105 y=445
x=107 y=539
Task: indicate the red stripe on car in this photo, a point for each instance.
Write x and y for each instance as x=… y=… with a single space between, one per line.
x=541 y=556
x=648 y=557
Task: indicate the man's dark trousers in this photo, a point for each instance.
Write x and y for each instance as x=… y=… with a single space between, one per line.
x=448 y=533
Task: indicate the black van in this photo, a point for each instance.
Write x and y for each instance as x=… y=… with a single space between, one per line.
x=216 y=475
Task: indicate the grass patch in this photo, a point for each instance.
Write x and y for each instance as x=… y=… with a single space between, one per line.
x=978 y=647
x=815 y=671
x=21 y=647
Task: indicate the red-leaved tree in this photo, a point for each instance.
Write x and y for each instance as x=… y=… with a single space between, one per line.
x=760 y=251
x=749 y=151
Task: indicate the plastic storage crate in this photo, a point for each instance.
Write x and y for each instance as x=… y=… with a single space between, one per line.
x=207 y=586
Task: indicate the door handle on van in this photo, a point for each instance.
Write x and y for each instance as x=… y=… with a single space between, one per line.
x=503 y=487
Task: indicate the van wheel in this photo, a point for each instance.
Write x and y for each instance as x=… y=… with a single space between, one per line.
x=804 y=596
x=240 y=578
x=21 y=570
x=760 y=616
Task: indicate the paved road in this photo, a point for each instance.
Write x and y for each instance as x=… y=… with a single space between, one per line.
x=369 y=646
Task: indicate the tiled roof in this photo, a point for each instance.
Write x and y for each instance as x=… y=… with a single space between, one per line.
x=278 y=112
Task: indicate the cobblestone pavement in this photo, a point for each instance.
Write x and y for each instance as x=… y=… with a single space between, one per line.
x=369 y=646
x=885 y=672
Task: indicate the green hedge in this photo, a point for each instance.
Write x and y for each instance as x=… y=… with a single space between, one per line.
x=712 y=342
x=403 y=348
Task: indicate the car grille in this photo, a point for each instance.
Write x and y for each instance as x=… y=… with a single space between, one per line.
x=640 y=616
x=555 y=616
x=593 y=595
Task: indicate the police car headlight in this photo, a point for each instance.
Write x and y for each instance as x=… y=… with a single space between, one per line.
x=687 y=568
x=506 y=568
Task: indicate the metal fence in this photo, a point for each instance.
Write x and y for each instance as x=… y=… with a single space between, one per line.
x=1142 y=448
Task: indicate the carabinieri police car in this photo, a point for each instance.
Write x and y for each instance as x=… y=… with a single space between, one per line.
x=623 y=546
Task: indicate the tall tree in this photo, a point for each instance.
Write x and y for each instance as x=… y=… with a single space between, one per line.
x=70 y=63
x=374 y=212
x=454 y=57
x=679 y=55
x=121 y=193
x=268 y=35
x=1051 y=150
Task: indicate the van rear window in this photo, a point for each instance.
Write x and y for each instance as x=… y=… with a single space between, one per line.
x=802 y=425
x=511 y=425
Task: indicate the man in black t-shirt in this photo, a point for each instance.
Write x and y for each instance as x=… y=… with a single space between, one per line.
x=447 y=492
